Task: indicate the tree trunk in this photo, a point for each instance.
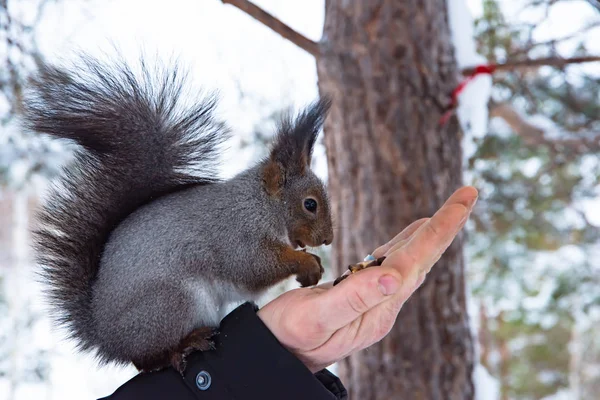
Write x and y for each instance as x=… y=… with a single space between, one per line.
x=390 y=67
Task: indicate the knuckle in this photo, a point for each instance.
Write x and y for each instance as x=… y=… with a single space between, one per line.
x=433 y=228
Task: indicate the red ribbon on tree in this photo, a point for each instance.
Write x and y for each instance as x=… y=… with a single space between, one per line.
x=478 y=70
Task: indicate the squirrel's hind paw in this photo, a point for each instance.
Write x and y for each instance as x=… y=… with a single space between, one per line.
x=200 y=339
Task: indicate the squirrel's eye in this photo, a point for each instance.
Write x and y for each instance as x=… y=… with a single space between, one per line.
x=310 y=205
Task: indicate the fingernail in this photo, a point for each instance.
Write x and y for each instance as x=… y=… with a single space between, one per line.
x=388 y=285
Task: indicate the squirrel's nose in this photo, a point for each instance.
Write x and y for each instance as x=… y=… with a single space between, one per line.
x=328 y=240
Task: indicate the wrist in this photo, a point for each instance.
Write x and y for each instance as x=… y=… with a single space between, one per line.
x=274 y=324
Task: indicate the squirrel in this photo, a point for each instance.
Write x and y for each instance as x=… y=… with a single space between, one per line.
x=141 y=245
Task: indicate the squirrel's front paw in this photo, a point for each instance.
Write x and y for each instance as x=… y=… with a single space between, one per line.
x=311 y=273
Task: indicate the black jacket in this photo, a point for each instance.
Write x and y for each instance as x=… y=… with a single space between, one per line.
x=248 y=363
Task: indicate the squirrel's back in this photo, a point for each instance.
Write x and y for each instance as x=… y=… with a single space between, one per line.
x=139 y=141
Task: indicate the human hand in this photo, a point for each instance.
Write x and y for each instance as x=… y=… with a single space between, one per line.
x=325 y=324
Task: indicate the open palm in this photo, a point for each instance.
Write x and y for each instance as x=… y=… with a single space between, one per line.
x=325 y=324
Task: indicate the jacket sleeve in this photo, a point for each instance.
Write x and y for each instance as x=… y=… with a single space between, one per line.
x=248 y=363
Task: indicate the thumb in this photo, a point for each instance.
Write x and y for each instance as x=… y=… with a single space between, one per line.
x=356 y=295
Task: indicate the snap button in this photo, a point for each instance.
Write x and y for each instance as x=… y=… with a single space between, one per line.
x=203 y=380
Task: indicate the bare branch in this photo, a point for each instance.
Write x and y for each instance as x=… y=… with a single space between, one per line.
x=540 y=62
x=275 y=25
x=533 y=134
x=553 y=42
x=529 y=132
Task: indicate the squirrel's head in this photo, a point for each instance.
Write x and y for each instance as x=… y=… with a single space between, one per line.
x=288 y=179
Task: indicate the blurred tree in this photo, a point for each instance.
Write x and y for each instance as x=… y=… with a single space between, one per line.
x=22 y=154
x=19 y=53
x=537 y=168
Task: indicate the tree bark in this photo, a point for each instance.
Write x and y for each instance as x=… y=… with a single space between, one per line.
x=390 y=68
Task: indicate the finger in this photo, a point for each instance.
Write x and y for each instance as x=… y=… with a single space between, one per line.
x=397 y=246
x=466 y=195
x=405 y=234
x=434 y=236
x=430 y=241
x=354 y=296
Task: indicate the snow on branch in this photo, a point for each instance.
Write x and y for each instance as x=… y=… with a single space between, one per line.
x=275 y=25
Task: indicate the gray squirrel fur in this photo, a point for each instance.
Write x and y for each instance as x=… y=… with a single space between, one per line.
x=140 y=243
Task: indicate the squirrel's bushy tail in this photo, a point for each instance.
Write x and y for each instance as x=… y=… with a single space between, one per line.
x=139 y=141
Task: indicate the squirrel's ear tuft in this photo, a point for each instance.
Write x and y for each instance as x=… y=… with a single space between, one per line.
x=296 y=137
